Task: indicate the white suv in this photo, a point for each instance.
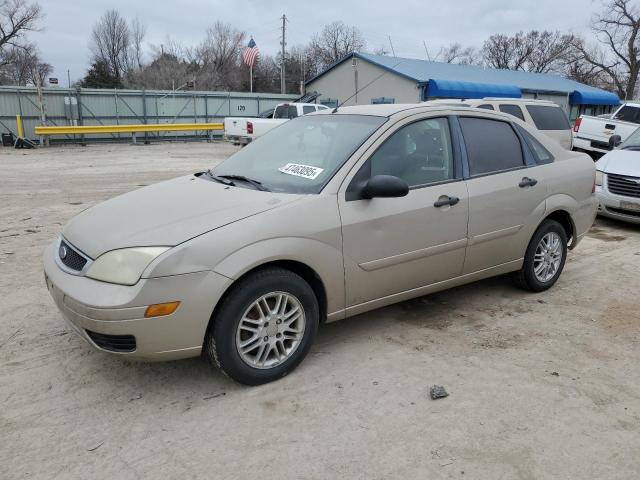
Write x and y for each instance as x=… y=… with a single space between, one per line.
x=544 y=115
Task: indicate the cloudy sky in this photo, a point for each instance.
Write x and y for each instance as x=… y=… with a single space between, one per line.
x=64 y=42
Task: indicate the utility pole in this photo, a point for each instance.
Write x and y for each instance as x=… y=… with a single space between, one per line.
x=391 y=45
x=301 y=75
x=283 y=42
x=68 y=78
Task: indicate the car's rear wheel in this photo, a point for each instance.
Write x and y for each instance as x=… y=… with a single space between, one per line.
x=545 y=257
x=264 y=327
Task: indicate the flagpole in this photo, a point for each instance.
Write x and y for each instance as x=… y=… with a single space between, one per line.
x=251 y=78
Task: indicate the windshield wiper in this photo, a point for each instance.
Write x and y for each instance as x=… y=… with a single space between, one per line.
x=220 y=179
x=631 y=147
x=258 y=185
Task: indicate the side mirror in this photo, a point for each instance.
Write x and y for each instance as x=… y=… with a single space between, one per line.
x=385 y=186
x=614 y=141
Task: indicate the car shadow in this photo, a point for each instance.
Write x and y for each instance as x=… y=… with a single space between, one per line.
x=615 y=224
x=194 y=379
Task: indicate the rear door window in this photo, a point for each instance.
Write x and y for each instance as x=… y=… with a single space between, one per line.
x=628 y=114
x=308 y=109
x=486 y=106
x=548 y=117
x=492 y=145
x=512 y=109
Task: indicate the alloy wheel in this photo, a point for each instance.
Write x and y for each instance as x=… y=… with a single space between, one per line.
x=547 y=257
x=270 y=330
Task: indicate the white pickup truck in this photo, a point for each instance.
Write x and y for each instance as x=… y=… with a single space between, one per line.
x=591 y=134
x=242 y=130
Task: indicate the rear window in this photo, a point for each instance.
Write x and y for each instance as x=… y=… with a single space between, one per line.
x=286 y=111
x=492 y=145
x=548 y=117
x=628 y=114
x=511 y=109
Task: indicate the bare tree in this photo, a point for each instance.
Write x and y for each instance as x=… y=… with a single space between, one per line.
x=111 y=43
x=266 y=75
x=20 y=63
x=533 y=51
x=503 y=51
x=138 y=32
x=17 y=17
x=580 y=70
x=218 y=57
x=456 y=53
x=335 y=41
x=618 y=58
x=549 y=51
x=24 y=67
x=381 y=50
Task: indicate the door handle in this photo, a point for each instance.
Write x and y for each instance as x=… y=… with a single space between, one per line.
x=527 y=182
x=446 y=200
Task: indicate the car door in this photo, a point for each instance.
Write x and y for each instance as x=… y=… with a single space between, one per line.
x=507 y=192
x=393 y=245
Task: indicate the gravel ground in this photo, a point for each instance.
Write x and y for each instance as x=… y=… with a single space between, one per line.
x=541 y=386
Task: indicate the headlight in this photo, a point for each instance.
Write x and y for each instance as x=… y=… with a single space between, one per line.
x=124 y=266
x=599 y=177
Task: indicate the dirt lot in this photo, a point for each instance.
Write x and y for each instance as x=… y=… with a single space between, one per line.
x=541 y=386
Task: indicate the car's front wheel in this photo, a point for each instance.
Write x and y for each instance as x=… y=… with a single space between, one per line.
x=545 y=257
x=264 y=327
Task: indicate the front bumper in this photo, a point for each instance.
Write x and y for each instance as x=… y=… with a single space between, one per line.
x=113 y=311
x=610 y=206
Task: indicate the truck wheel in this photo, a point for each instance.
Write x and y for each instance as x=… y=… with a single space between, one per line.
x=544 y=259
x=264 y=327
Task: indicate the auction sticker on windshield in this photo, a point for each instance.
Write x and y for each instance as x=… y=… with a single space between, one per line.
x=305 y=171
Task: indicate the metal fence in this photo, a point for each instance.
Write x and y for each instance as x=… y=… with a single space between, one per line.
x=132 y=107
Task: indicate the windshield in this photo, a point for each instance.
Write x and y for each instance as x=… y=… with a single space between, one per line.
x=633 y=142
x=301 y=156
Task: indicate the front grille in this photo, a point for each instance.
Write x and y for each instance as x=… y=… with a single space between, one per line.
x=113 y=343
x=622 y=211
x=623 y=185
x=70 y=257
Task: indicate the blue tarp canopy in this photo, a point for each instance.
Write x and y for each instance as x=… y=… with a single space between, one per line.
x=593 y=97
x=453 y=89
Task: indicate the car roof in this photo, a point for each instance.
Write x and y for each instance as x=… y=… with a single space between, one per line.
x=378 y=110
x=391 y=109
x=301 y=104
x=479 y=101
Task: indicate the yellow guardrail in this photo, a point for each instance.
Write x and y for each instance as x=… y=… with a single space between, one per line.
x=155 y=127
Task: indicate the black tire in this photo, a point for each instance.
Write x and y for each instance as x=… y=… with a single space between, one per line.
x=526 y=278
x=220 y=343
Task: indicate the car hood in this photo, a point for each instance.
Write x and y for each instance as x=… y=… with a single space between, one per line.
x=621 y=162
x=166 y=214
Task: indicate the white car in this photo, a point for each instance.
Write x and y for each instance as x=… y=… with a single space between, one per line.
x=591 y=134
x=242 y=130
x=618 y=181
x=543 y=115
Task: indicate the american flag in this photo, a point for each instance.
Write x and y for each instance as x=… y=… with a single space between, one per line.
x=250 y=54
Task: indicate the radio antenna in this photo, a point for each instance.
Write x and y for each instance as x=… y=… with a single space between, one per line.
x=365 y=86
